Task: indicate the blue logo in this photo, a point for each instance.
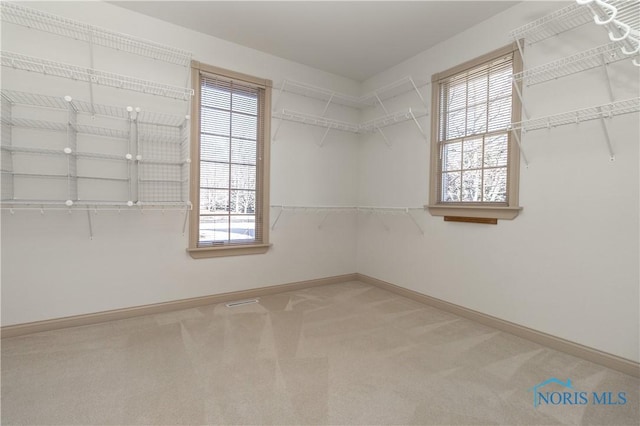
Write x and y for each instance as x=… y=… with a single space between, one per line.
x=570 y=396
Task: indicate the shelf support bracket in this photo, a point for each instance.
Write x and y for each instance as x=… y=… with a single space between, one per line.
x=8 y=183
x=386 y=141
x=606 y=74
x=413 y=219
x=519 y=93
x=417 y=91
x=326 y=107
x=284 y=82
x=324 y=136
x=324 y=219
x=186 y=217
x=607 y=139
x=380 y=102
x=90 y=225
x=382 y=222
x=91 y=78
x=72 y=163
x=516 y=135
x=520 y=49
x=273 y=225
x=415 y=120
x=275 y=133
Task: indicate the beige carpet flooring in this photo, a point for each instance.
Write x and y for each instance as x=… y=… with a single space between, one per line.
x=342 y=354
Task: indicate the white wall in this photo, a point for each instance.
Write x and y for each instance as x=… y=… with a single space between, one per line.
x=50 y=267
x=568 y=265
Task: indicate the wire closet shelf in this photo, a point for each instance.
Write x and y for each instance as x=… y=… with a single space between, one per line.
x=608 y=110
x=42 y=21
x=161 y=137
x=326 y=210
x=592 y=58
x=83 y=107
x=620 y=17
x=374 y=98
x=90 y=75
x=557 y=22
x=391 y=90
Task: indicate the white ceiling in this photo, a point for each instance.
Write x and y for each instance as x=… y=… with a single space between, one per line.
x=355 y=39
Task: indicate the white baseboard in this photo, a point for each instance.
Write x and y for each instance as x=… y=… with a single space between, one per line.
x=614 y=362
x=118 y=314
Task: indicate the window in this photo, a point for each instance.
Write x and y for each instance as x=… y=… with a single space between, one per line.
x=474 y=157
x=230 y=162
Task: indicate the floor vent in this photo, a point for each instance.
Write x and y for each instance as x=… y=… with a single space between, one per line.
x=241 y=302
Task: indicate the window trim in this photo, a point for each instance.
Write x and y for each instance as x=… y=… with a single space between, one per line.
x=196 y=252
x=479 y=210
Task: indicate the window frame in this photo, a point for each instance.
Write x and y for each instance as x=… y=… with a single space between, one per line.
x=511 y=208
x=262 y=163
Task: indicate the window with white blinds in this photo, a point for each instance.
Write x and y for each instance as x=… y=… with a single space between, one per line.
x=231 y=176
x=474 y=107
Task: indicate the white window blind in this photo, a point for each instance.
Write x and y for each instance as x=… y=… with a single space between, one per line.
x=231 y=118
x=475 y=110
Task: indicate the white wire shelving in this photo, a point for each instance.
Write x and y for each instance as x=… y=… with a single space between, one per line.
x=158 y=161
x=374 y=98
x=165 y=130
x=621 y=19
x=93 y=204
x=62 y=103
x=62 y=127
x=90 y=205
x=315 y=120
x=373 y=126
x=162 y=133
x=326 y=210
x=391 y=90
x=163 y=119
x=607 y=110
x=42 y=21
x=59 y=176
x=27 y=150
x=601 y=112
x=102 y=186
x=43 y=151
x=557 y=22
x=89 y=75
x=395 y=118
x=592 y=58
x=315 y=92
